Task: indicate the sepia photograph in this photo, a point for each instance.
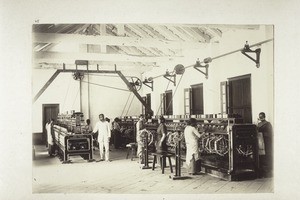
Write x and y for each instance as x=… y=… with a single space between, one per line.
x=149 y=99
x=152 y=108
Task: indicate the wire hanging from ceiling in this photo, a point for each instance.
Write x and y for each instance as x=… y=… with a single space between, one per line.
x=67 y=93
x=126 y=104
x=108 y=75
x=106 y=86
x=174 y=92
x=129 y=105
x=161 y=101
x=75 y=98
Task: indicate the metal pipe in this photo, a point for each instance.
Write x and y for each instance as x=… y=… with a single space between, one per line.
x=226 y=54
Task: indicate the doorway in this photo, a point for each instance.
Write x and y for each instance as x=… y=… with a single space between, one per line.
x=50 y=111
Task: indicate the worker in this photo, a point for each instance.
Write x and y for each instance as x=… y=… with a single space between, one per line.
x=191 y=136
x=88 y=127
x=116 y=132
x=266 y=160
x=161 y=144
x=140 y=125
x=50 y=143
x=104 y=134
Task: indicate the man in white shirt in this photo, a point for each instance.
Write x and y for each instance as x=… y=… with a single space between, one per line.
x=50 y=143
x=104 y=134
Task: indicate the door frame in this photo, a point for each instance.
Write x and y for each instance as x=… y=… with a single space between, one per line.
x=199 y=85
x=236 y=78
x=44 y=106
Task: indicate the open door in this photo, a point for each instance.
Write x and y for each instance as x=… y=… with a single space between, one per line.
x=50 y=111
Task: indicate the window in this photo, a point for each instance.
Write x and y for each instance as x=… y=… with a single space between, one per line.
x=166 y=100
x=223 y=95
x=147 y=111
x=197 y=99
x=187 y=101
x=148 y=102
x=143 y=107
x=239 y=98
x=162 y=100
x=193 y=100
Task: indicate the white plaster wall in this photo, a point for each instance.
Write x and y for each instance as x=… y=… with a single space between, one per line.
x=64 y=90
x=220 y=70
x=111 y=102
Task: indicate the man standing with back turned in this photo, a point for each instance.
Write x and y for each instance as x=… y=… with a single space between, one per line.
x=266 y=161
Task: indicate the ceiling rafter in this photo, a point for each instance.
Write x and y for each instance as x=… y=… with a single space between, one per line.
x=155 y=32
x=55 y=57
x=142 y=30
x=64 y=29
x=112 y=40
x=130 y=32
x=111 y=30
x=138 y=49
x=50 y=45
x=143 y=34
x=202 y=33
x=133 y=51
x=158 y=52
x=168 y=33
x=196 y=36
x=135 y=30
x=119 y=48
x=101 y=65
x=152 y=52
x=217 y=31
x=150 y=33
x=180 y=33
x=209 y=31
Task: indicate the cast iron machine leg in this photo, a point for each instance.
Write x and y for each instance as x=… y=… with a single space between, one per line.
x=146 y=157
x=177 y=163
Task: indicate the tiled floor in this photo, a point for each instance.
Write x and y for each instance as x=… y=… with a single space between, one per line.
x=123 y=176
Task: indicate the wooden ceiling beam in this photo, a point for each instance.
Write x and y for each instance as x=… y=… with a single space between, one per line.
x=168 y=34
x=194 y=34
x=216 y=31
x=130 y=32
x=181 y=33
x=219 y=26
x=57 y=57
x=134 y=66
x=154 y=32
x=202 y=34
x=113 y=40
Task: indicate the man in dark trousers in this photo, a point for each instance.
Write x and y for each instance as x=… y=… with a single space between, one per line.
x=266 y=161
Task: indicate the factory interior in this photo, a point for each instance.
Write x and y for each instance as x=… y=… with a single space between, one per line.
x=219 y=76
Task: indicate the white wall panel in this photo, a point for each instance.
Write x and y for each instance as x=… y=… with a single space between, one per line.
x=223 y=68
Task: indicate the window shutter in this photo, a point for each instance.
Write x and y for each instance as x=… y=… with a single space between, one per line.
x=187 y=101
x=224 y=96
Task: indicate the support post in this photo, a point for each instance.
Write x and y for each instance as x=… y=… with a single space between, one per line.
x=133 y=90
x=146 y=156
x=177 y=175
x=46 y=85
x=198 y=65
x=171 y=78
x=149 y=84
